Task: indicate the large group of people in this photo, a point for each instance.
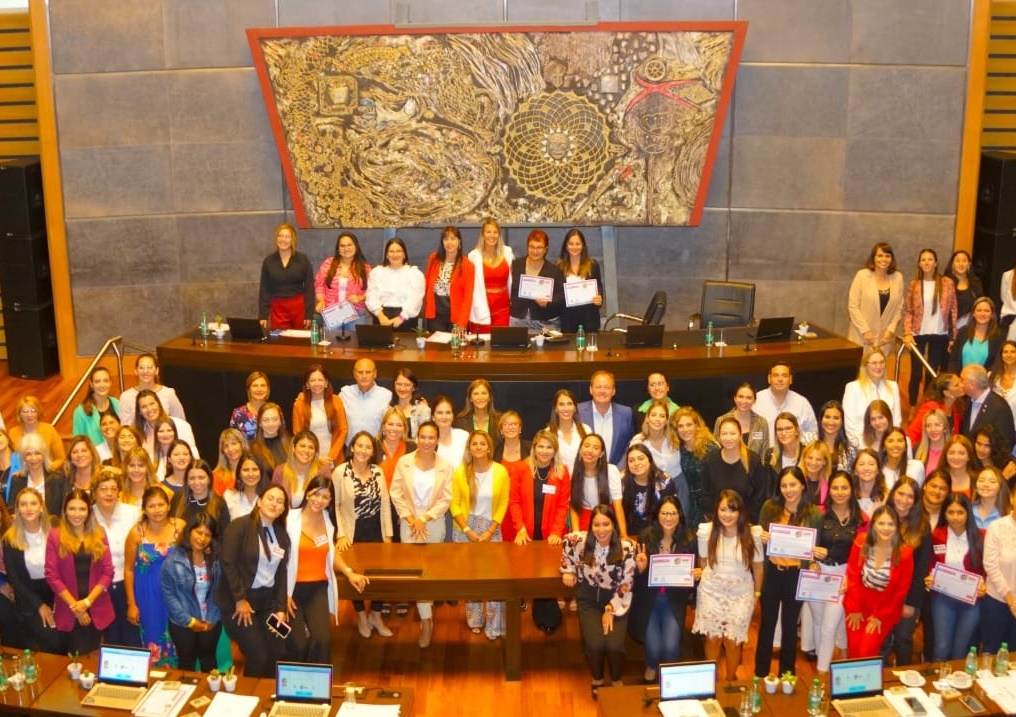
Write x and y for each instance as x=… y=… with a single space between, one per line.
x=128 y=535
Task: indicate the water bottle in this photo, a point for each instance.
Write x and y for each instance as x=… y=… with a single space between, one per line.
x=3 y=677
x=970 y=666
x=580 y=339
x=756 y=696
x=456 y=342
x=815 y=697
x=709 y=334
x=31 y=668
x=1002 y=660
x=315 y=332
x=204 y=324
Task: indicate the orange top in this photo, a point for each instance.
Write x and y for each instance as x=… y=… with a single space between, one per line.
x=312 y=563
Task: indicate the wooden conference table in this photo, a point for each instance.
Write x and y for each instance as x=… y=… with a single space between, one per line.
x=55 y=694
x=461 y=571
x=209 y=374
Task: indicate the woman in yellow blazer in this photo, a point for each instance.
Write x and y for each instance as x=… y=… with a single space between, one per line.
x=421 y=492
x=480 y=491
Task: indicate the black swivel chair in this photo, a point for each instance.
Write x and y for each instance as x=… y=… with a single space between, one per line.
x=725 y=303
x=653 y=316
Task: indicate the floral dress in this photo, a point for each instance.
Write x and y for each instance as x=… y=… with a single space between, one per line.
x=154 y=622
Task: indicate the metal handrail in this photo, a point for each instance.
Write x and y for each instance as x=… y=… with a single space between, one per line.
x=117 y=344
x=913 y=352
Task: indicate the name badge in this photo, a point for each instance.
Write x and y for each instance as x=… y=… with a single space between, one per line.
x=320 y=540
x=278 y=552
x=940 y=549
x=756 y=435
x=549 y=489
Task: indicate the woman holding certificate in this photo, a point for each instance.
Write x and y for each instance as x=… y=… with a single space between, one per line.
x=957 y=549
x=577 y=266
x=787 y=552
x=879 y=573
x=536 y=287
x=341 y=282
x=665 y=559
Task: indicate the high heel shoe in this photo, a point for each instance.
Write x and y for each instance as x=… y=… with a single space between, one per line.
x=426 y=632
x=362 y=625
x=375 y=621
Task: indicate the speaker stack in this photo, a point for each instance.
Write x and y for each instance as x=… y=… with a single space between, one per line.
x=25 y=285
x=995 y=222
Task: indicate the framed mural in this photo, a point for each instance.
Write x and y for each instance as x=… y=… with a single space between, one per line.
x=616 y=123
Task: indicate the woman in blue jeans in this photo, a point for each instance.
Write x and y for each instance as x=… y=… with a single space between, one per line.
x=958 y=544
x=657 y=613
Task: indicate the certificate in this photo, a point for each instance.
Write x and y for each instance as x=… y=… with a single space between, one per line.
x=791 y=541
x=671 y=570
x=536 y=287
x=818 y=587
x=338 y=314
x=955 y=583
x=580 y=293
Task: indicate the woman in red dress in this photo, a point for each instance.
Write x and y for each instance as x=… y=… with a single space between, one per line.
x=492 y=259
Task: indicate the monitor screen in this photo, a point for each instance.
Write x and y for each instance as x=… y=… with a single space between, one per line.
x=848 y=678
x=303 y=681
x=687 y=680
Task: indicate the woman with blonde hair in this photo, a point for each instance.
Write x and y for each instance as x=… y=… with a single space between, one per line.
x=657 y=435
x=302 y=464
x=480 y=488
x=934 y=434
x=817 y=466
x=232 y=445
x=126 y=437
x=24 y=548
x=961 y=463
x=991 y=498
x=736 y=468
x=697 y=443
x=492 y=278
x=871 y=384
x=139 y=474
x=83 y=462
x=38 y=474
x=286 y=291
x=29 y=415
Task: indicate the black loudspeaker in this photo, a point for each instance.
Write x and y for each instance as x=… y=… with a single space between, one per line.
x=24 y=270
x=31 y=340
x=996 y=193
x=22 y=211
x=994 y=254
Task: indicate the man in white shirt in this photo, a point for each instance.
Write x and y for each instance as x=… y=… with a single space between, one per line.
x=365 y=402
x=772 y=401
x=611 y=421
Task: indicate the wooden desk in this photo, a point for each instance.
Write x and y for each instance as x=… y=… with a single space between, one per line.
x=209 y=375
x=462 y=571
x=52 y=669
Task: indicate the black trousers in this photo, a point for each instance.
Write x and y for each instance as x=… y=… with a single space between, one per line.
x=778 y=592
x=121 y=632
x=598 y=646
x=193 y=646
x=310 y=640
x=261 y=649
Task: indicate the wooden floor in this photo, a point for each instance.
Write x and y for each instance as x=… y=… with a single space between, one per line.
x=460 y=673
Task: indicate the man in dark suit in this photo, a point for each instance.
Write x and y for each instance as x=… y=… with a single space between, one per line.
x=984 y=406
x=611 y=421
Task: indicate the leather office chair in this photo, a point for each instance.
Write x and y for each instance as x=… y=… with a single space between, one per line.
x=653 y=316
x=725 y=303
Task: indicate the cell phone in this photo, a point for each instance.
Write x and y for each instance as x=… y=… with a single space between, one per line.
x=280 y=628
x=973 y=704
x=915 y=706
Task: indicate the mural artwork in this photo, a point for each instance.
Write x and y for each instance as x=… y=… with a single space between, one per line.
x=610 y=124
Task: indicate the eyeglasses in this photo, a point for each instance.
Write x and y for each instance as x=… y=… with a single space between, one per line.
x=668 y=513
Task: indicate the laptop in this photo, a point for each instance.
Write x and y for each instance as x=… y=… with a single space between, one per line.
x=644 y=337
x=371 y=336
x=774 y=329
x=302 y=689
x=122 y=679
x=509 y=337
x=245 y=329
x=855 y=687
x=687 y=686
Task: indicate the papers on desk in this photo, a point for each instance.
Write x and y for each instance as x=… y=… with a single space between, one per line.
x=165 y=699
x=360 y=709
x=1000 y=690
x=228 y=704
x=899 y=702
x=682 y=708
x=295 y=333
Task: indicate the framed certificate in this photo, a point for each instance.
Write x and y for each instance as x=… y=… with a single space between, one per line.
x=955 y=583
x=669 y=570
x=791 y=541
x=818 y=587
x=338 y=314
x=579 y=293
x=536 y=287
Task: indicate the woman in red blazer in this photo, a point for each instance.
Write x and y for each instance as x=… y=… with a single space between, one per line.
x=879 y=572
x=81 y=612
x=317 y=408
x=449 y=296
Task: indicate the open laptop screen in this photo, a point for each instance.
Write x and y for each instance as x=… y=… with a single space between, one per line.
x=687 y=680
x=855 y=678
x=123 y=665
x=303 y=682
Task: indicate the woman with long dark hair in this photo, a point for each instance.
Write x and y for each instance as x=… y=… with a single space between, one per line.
x=97 y=404
x=968 y=285
x=197 y=496
x=595 y=482
x=929 y=319
x=981 y=341
x=343 y=278
x=832 y=431
x=271 y=439
x=643 y=486
x=449 y=281
x=875 y=300
x=576 y=265
x=318 y=409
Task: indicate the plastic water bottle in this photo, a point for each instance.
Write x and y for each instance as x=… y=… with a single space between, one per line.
x=315 y=332
x=3 y=678
x=204 y=324
x=970 y=666
x=456 y=342
x=756 y=696
x=709 y=334
x=31 y=668
x=815 y=697
x=1002 y=660
x=580 y=339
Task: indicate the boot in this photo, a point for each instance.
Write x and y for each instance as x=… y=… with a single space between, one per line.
x=377 y=622
x=362 y=625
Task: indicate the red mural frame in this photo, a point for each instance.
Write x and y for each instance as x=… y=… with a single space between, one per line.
x=738 y=28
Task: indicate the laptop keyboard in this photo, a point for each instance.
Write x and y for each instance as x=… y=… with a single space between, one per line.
x=115 y=692
x=873 y=704
x=292 y=710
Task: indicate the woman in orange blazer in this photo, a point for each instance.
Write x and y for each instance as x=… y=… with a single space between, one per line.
x=319 y=410
x=449 y=296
